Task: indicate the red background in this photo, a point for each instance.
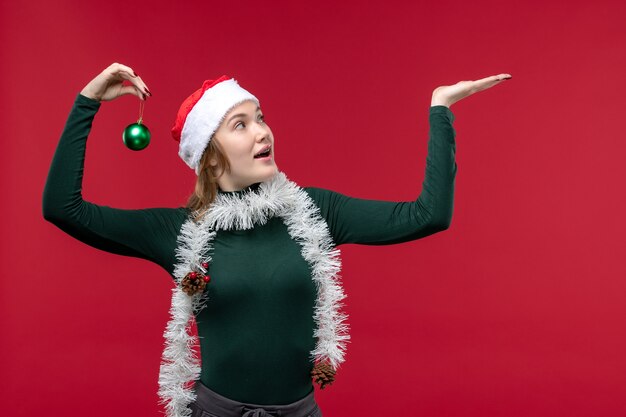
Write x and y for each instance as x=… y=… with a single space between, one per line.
x=517 y=310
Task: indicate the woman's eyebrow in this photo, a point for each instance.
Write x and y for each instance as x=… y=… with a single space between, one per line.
x=240 y=115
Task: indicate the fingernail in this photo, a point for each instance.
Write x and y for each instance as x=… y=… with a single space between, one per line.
x=148 y=91
x=135 y=74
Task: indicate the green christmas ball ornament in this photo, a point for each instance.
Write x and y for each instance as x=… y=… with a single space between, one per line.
x=136 y=136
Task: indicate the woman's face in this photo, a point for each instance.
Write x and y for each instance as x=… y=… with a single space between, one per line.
x=243 y=135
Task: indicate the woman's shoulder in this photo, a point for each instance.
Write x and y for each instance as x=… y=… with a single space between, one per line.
x=316 y=192
x=322 y=197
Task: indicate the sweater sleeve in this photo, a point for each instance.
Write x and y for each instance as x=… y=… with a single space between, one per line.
x=146 y=233
x=373 y=222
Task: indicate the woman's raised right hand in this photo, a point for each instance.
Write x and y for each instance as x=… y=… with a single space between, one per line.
x=108 y=85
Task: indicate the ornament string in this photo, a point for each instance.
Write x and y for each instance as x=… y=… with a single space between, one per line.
x=141 y=105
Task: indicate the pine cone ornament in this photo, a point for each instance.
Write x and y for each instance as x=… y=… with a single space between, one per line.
x=194 y=283
x=323 y=374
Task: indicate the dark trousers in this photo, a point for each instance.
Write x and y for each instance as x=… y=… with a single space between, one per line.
x=211 y=404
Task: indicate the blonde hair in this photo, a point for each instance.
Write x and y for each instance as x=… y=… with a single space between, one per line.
x=206 y=185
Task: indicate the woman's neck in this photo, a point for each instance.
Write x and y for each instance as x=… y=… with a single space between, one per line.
x=237 y=190
x=227 y=185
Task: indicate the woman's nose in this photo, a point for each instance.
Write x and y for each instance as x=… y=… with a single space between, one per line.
x=262 y=131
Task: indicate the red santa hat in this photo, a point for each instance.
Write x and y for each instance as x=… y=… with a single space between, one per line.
x=202 y=113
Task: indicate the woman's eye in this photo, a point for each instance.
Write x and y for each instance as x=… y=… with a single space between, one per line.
x=261 y=119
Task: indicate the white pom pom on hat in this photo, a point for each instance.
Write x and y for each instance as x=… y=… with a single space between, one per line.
x=202 y=113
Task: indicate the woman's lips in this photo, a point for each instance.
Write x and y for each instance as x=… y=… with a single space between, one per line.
x=266 y=150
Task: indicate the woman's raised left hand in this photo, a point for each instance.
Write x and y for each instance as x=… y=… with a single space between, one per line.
x=447 y=95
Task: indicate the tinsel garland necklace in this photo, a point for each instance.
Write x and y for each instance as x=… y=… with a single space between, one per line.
x=241 y=211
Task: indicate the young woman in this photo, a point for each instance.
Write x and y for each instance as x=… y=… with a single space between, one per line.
x=253 y=255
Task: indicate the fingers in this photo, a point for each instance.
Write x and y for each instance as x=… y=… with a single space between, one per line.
x=500 y=77
x=131 y=89
x=127 y=73
x=144 y=88
x=124 y=68
x=488 y=82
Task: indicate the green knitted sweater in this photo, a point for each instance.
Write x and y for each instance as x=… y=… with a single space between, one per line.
x=256 y=333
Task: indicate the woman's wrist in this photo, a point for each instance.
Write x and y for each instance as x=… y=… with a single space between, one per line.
x=82 y=98
x=89 y=94
x=439 y=101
